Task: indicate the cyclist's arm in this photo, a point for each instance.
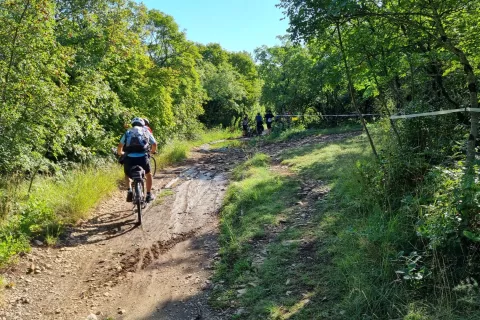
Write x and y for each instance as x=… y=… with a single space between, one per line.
x=120 y=149
x=120 y=145
x=153 y=143
x=154 y=148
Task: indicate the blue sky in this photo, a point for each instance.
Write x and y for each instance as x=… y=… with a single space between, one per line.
x=237 y=25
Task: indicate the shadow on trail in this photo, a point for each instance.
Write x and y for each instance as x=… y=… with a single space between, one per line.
x=92 y=233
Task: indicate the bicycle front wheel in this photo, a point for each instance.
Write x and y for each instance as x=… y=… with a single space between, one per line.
x=139 y=200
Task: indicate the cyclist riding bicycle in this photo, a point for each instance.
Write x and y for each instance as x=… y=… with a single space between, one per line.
x=137 y=141
x=147 y=125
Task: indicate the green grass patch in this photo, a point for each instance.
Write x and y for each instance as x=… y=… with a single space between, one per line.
x=254 y=203
x=218 y=144
x=160 y=198
x=72 y=196
x=52 y=203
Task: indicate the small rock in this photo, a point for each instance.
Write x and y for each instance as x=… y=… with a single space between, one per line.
x=38 y=243
x=240 y=311
x=91 y=316
x=241 y=292
x=25 y=300
x=31 y=268
x=121 y=311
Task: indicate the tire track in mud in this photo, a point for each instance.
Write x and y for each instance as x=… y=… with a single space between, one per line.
x=140 y=260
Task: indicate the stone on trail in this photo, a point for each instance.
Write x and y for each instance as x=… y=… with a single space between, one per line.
x=91 y=316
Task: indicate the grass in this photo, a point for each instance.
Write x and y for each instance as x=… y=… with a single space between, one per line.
x=74 y=195
x=256 y=202
x=342 y=260
x=160 y=198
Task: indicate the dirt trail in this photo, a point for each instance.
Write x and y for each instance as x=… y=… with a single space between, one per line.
x=108 y=267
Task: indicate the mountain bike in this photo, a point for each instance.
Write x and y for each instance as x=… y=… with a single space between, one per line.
x=137 y=174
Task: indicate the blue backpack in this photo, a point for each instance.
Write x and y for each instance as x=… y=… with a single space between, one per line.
x=137 y=140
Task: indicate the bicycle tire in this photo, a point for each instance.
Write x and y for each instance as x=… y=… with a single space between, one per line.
x=138 y=200
x=153 y=165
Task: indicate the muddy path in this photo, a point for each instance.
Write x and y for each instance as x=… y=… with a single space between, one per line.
x=107 y=267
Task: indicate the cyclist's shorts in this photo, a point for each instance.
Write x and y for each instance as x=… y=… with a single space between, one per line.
x=130 y=162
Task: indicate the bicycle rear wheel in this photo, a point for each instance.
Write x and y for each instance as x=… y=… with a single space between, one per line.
x=139 y=200
x=153 y=165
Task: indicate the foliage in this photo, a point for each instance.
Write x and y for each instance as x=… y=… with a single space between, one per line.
x=90 y=67
x=232 y=84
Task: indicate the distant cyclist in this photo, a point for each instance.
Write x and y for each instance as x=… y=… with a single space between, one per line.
x=137 y=141
x=269 y=119
x=245 y=125
x=259 y=121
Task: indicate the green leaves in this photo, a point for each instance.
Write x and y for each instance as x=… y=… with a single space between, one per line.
x=231 y=82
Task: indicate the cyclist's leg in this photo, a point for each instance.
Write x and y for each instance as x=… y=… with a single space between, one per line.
x=127 y=166
x=148 y=175
x=149 y=179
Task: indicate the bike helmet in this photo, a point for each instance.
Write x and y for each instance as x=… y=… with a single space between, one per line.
x=138 y=122
x=147 y=123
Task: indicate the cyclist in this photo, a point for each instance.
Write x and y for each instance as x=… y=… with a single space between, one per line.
x=137 y=140
x=269 y=119
x=245 y=126
x=147 y=125
x=259 y=121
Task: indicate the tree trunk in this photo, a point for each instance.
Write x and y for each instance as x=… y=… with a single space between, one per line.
x=352 y=91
